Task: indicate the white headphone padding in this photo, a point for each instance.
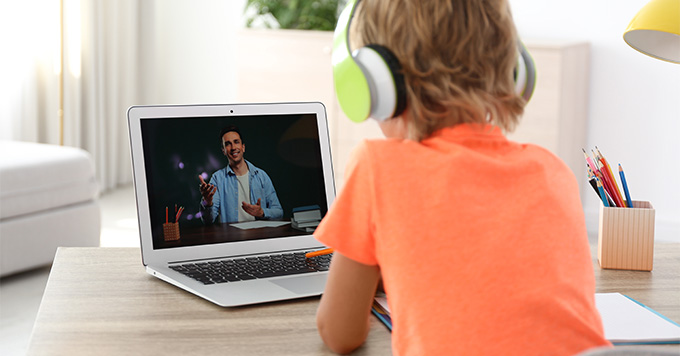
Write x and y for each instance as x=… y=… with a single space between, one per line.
x=520 y=75
x=380 y=82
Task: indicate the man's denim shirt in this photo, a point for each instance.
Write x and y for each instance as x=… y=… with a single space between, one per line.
x=225 y=201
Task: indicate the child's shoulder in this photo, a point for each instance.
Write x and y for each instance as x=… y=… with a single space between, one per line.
x=540 y=152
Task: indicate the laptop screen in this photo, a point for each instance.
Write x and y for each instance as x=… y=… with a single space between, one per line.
x=263 y=178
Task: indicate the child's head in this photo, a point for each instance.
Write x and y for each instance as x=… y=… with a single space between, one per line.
x=457 y=57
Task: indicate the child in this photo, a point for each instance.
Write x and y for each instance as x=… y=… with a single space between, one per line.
x=480 y=242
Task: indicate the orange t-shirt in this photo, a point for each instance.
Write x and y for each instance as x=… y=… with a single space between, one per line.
x=481 y=243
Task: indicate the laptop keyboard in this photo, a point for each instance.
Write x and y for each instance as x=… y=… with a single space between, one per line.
x=241 y=269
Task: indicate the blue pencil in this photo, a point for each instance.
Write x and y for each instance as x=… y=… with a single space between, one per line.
x=603 y=196
x=625 y=187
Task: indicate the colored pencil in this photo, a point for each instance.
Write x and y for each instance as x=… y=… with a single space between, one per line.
x=606 y=181
x=594 y=172
x=325 y=251
x=593 y=183
x=603 y=196
x=592 y=179
x=607 y=187
x=612 y=182
x=179 y=213
x=615 y=185
x=625 y=186
x=589 y=161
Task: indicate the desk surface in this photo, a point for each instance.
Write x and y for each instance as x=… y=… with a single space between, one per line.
x=101 y=300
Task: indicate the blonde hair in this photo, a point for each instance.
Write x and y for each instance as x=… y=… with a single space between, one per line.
x=457 y=57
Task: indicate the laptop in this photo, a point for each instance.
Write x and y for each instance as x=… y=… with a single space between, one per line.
x=188 y=243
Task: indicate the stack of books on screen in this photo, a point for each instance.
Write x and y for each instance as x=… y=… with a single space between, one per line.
x=306 y=218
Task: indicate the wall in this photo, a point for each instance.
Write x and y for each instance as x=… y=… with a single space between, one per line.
x=634 y=113
x=189 y=53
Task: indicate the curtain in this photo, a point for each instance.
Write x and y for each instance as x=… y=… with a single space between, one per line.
x=101 y=61
x=117 y=53
x=96 y=102
x=29 y=35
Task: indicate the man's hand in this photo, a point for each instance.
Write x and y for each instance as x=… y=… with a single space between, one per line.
x=253 y=209
x=207 y=191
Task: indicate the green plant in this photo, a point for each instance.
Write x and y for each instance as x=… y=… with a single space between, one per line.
x=295 y=14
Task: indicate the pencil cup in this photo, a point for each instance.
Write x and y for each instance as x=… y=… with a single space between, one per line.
x=626 y=237
x=171 y=231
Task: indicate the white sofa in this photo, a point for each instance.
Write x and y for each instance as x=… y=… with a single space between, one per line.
x=48 y=198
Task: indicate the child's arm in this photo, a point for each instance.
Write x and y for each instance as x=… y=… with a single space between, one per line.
x=345 y=306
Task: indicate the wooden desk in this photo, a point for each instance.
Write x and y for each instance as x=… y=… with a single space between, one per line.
x=100 y=301
x=658 y=289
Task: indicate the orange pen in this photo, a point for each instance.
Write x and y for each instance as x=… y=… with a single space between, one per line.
x=325 y=251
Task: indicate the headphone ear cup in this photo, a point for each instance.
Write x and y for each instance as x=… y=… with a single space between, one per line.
x=525 y=73
x=396 y=70
x=368 y=81
x=383 y=74
x=352 y=87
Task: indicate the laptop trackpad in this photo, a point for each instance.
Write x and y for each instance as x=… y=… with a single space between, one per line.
x=305 y=285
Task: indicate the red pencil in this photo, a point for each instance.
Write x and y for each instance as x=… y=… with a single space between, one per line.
x=179 y=213
x=612 y=181
x=166 y=214
x=610 y=188
x=610 y=174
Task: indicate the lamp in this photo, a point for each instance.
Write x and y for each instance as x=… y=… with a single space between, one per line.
x=655 y=30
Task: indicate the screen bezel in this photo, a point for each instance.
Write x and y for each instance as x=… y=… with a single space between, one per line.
x=151 y=256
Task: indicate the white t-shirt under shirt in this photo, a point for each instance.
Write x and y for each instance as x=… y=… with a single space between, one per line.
x=243 y=196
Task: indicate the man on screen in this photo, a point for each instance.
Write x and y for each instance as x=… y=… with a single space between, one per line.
x=239 y=191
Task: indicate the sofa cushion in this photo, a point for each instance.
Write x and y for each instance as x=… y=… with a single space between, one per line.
x=38 y=177
x=30 y=241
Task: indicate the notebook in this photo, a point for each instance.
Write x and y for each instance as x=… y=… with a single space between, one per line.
x=287 y=151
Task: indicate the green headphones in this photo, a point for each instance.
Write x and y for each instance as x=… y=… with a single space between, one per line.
x=368 y=82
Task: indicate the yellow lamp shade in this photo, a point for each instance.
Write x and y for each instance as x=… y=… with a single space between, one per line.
x=655 y=30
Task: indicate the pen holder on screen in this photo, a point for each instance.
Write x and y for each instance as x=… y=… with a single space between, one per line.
x=171 y=231
x=626 y=237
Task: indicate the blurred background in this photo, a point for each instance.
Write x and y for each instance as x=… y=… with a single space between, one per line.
x=126 y=52
x=123 y=53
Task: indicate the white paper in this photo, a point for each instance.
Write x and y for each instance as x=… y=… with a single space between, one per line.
x=259 y=223
x=627 y=321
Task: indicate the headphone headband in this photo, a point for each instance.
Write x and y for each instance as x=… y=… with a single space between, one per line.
x=369 y=83
x=351 y=85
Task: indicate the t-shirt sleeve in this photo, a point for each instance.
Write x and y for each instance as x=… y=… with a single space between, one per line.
x=348 y=226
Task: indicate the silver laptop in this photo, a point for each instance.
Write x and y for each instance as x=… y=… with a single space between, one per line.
x=207 y=229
